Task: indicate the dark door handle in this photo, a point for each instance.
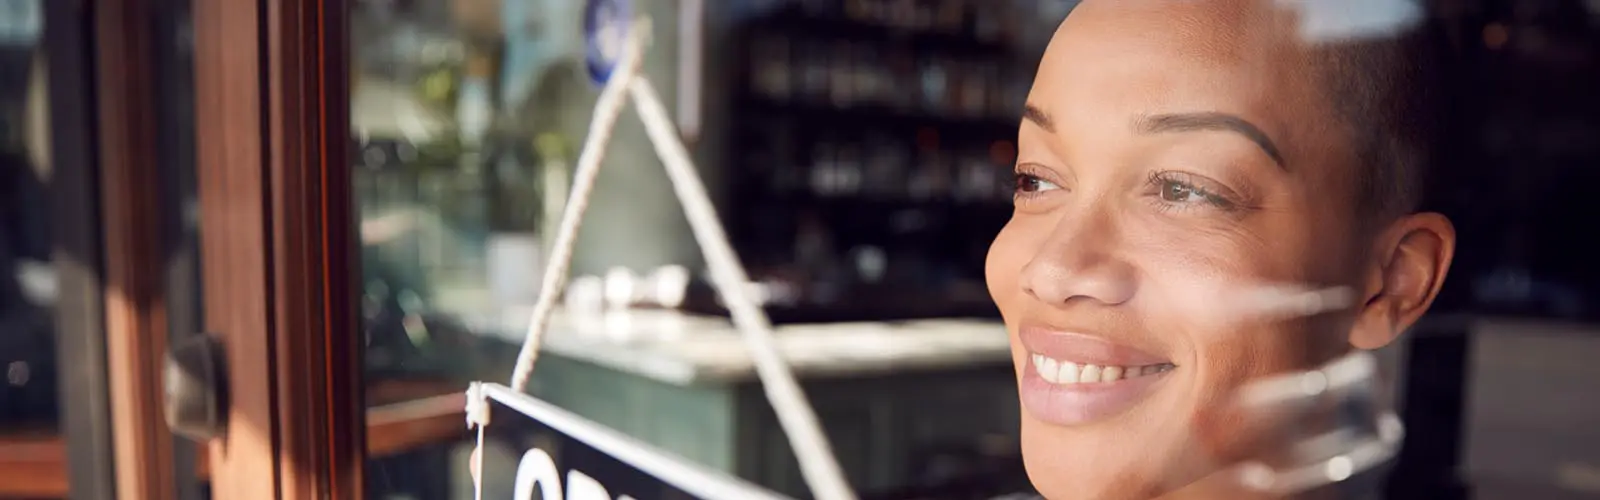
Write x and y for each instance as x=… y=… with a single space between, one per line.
x=195 y=387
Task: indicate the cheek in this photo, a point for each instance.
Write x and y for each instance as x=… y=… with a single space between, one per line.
x=1194 y=284
x=1197 y=287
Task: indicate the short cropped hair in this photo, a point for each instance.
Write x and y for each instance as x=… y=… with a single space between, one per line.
x=1386 y=93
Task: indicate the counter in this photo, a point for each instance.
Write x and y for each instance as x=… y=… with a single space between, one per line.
x=900 y=401
x=682 y=349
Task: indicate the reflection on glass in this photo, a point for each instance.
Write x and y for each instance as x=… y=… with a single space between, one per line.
x=462 y=119
x=457 y=142
x=27 y=281
x=467 y=116
x=419 y=123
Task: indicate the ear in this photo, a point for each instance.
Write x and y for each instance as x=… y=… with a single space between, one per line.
x=1407 y=267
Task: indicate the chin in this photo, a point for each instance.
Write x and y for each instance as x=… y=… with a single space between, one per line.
x=1064 y=464
x=1153 y=450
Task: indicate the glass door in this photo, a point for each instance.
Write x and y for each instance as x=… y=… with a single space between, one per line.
x=466 y=118
x=374 y=181
x=94 y=264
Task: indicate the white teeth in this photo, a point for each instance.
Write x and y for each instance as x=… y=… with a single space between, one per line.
x=1111 y=374
x=1047 y=369
x=1091 y=373
x=1067 y=373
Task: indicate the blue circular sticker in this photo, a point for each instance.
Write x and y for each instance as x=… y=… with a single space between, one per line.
x=605 y=28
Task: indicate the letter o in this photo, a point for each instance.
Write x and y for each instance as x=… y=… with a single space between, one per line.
x=538 y=468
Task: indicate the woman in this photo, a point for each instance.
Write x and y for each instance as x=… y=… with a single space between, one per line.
x=1175 y=156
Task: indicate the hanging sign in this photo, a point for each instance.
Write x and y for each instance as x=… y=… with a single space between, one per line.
x=578 y=459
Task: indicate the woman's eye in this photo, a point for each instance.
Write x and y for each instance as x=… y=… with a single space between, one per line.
x=1178 y=192
x=1028 y=183
x=1174 y=192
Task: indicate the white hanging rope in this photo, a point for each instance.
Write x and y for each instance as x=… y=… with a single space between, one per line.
x=606 y=110
x=477 y=418
x=795 y=415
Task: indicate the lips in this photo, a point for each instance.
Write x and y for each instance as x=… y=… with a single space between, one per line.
x=1075 y=379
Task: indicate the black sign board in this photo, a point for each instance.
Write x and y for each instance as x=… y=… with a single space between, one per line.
x=574 y=458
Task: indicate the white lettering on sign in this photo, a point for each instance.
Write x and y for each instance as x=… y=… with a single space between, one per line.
x=582 y=487
x=537 y=468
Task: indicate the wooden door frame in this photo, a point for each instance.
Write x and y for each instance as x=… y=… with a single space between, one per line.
x=110 y=316
x=135 y=249
x=278 y=246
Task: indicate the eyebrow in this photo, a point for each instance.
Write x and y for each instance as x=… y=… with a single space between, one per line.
x=1180 y=122
x=1039 y=117
x=1211 y=121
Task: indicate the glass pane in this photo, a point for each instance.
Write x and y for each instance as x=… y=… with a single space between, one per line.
x=466 y=118
x=465 y=135
x=26 y=271
x=1316 y=247
x=29 y=415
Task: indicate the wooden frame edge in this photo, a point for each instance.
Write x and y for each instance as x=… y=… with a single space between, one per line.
x=135 y=288
x=318 y=341
x=278 y=246
x=392 y=429
x=234 y=240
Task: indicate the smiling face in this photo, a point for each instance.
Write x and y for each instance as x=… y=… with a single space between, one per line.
x=1173 y=157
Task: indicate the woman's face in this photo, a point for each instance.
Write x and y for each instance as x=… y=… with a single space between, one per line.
x=1174 y=156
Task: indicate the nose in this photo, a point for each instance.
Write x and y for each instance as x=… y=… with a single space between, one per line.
x=1083 y=259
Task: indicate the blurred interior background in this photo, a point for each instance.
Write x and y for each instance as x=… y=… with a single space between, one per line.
x=859 y=153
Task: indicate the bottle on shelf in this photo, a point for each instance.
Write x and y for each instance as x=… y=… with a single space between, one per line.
x=813 y=71
x=948 y=16
x=886 y=168
x=933 y=179
x=899 y=75
x=842 y=74
x=972 y=89
x=823 y=169
x=772 y=66
x=933 y=85
x=849 y=168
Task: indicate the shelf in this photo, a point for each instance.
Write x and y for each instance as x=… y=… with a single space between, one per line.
x=402 y=416
x=32 y=464
x=872 y=117
x=795 y=22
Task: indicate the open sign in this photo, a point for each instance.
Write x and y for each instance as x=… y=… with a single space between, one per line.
x=538 y=470
x=578 y=459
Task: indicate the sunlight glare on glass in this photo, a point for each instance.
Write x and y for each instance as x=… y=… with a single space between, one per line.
x=1325 y=21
